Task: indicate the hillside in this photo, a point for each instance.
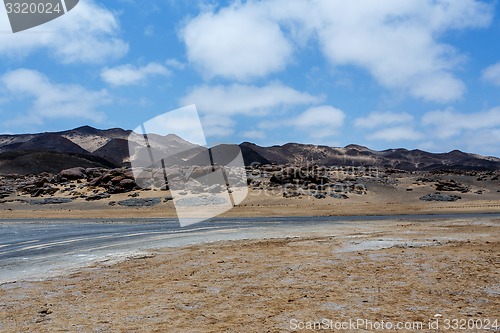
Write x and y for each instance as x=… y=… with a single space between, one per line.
x=90 y=147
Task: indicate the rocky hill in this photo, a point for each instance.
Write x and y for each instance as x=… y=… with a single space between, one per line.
x=355 y=155
x=89 y=147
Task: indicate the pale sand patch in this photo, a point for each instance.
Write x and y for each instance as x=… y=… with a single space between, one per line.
x=415 y=271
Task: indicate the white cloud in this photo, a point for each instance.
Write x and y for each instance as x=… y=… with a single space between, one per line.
x=89 y=33
x=245 y=99
x=217 y=126
x=219 y=104
x=397 y=42
x=492 y=74
x=449 y=123
x=52 y=100
x=320 y=121
x=483 y=142
x=377 y=119
x=174 y=63
x=396 y=133
x=238 y=42
x=128 y=75
x=253 y=134
x=388 y=126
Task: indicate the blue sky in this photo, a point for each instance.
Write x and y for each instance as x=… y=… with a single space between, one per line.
x=414 y=73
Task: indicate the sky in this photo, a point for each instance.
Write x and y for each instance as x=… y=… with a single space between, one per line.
x=416 y=74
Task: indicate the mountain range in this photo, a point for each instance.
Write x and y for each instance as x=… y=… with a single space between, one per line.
x=90 y=147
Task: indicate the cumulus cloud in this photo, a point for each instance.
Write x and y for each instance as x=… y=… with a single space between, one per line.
x=217 y=126
x=397 y=42
x=492 y=74
x=254 y=134
x=448 y=123
x=129 y=75
x=237 y=42
x=396 y=133
x=388 y=126
x=377 y=119
x=52 y=100
x=245 y=99
x=89 y=33
x=319 y=122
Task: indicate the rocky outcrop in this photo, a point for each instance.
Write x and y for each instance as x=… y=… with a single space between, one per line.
x=50 y=201
x=439 y=197
x=451 y=185
x=140 y=202
x=72 y=174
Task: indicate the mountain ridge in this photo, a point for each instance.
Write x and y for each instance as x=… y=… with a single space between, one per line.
x=108 y=148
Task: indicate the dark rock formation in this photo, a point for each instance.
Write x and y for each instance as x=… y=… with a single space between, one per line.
x=73 y=173
x=50 y=201
x=440 y=197
x=451 y=185
x=140 y=202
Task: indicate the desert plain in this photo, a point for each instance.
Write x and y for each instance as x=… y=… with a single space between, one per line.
x=415 y=271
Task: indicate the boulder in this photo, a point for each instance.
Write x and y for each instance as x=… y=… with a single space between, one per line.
x=127 y=184
x=440 y=197
x=72 y=174
x=140 y=202
x=50 y=201
x=97 y=196
x=317 y=195
x=451 y=185
x=338 y=196
x=117 y=179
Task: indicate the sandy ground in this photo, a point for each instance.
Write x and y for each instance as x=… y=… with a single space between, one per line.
x=394 y=271
x=379 y=201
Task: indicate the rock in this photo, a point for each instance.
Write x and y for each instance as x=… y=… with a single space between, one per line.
x=317 y=195
x=139 y=202
x=49 y=190
x=129 y=174
x=440 y=197
x=115 y=189
x=134 y=195
x=6 y=191
x=451 y=185
x=127 y=184
x=117 y=179
x=73 y=173
x=94 y=172
x=359 y=188
x=50 y=201
x=339 y=196
x=291 y=194
x=299 y=176
x=97 y=196
x=95 y=181
x=201 y=201
x=112 y=203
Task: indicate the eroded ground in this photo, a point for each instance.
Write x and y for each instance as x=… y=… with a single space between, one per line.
x=391 y=271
